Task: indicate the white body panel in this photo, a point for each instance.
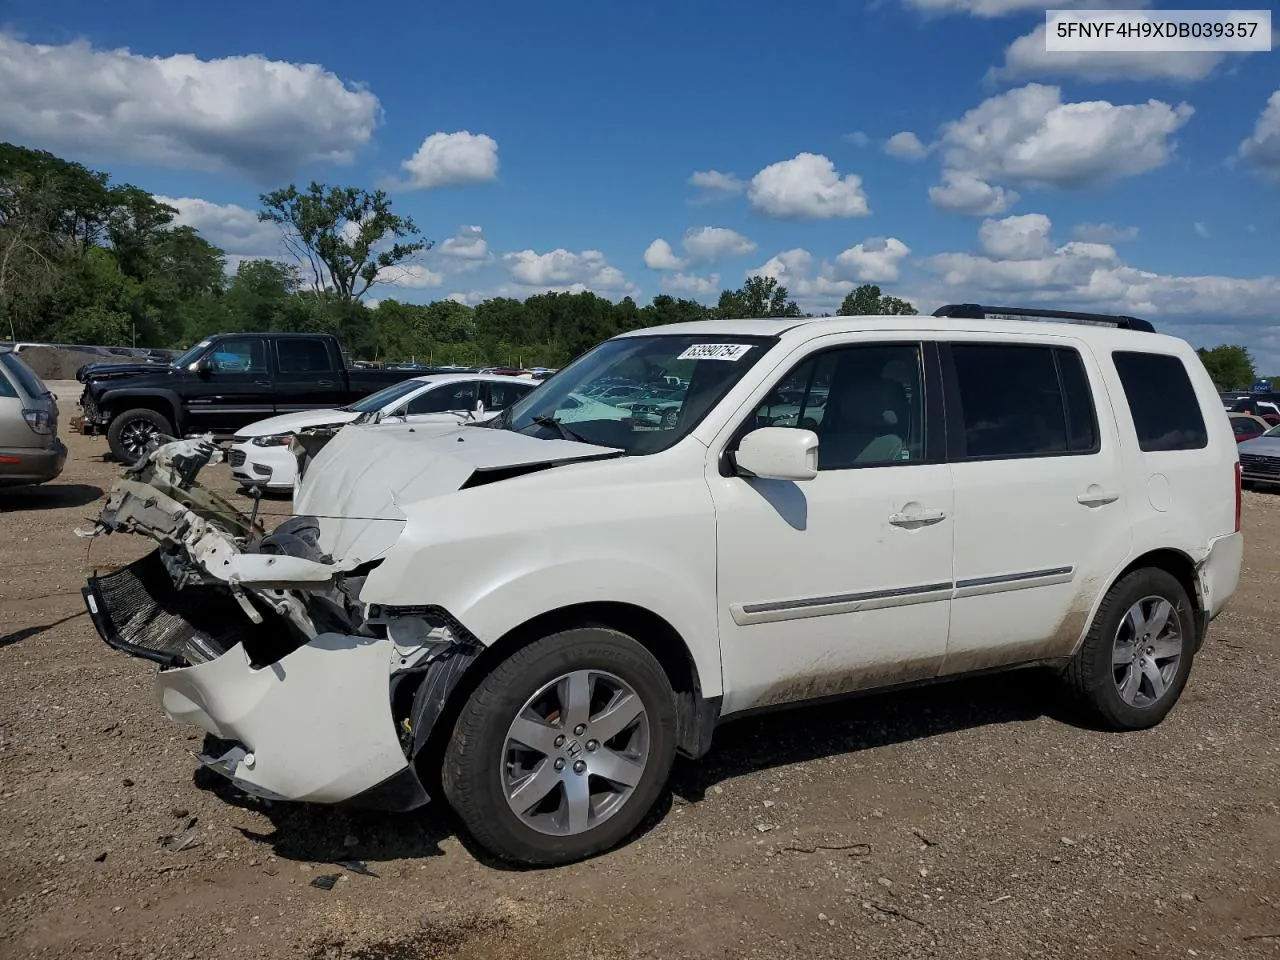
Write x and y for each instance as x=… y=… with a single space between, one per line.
x=780 y=590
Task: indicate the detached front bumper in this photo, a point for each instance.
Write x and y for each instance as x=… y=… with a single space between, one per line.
x=314 y=725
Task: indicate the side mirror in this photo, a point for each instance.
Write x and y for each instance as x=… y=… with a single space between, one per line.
x=204 y=366
x=778 y=453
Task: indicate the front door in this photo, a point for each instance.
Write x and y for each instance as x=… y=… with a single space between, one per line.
x=235 y=390
x=842 y=582
x=309 y=376
x=1039 y=498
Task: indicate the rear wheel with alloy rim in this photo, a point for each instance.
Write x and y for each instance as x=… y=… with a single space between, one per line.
x=1135 y=659
x=563 y=748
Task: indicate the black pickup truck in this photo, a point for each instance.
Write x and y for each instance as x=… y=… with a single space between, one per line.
x=221 y=384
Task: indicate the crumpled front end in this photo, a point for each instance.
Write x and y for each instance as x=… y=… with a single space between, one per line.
x=262 y=642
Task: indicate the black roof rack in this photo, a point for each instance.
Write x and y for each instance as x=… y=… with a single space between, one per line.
x=975 y=311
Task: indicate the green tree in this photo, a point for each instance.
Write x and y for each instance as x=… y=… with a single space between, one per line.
x=346 y=239
x=667 y=309
x=1230 y=366
x=866 y=300
x=759 y=297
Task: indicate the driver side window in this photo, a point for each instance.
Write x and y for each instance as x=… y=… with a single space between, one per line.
x=865 y=403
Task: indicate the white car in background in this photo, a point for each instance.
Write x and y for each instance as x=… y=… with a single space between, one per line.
x=260 y=454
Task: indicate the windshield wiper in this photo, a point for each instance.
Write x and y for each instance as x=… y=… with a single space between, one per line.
x=555 y=424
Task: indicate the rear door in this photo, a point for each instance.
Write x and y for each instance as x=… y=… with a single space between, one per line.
x=236 y=389
x=309 y=374
x=1040 y=506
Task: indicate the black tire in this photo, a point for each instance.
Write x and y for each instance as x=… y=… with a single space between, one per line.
x=1091 y=676
x=474 y=760
x=125 y=427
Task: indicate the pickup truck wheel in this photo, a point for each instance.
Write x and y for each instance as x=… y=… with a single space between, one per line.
x=1135 y=659
x=132 y=433
x=563 y=748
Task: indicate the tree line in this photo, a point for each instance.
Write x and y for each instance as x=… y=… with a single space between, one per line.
x=86 y=260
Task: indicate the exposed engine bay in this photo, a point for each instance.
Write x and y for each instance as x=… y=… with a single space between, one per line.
x=229 y=610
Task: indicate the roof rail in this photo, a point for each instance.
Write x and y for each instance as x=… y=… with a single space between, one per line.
x=975 y=311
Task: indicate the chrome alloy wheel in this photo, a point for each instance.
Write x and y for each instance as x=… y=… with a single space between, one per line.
x=575 y=752
x=137 y=436
x=1147 y=651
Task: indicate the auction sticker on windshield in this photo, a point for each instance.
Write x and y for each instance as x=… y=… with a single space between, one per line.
x=715 y=351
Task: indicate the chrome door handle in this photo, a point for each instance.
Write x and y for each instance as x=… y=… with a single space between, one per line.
x=922 y=517
x=326 y=383
x=1098 y=498
x=262 y=383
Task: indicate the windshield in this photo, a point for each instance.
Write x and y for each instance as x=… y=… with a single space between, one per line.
x=183 y=360
x=376 y=401
x=618 y=394
x=1273 y=432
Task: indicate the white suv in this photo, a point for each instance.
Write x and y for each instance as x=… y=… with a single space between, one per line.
x=530 y=618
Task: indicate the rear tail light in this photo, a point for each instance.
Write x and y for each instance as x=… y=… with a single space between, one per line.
x=38 y=420
x=1239 y=493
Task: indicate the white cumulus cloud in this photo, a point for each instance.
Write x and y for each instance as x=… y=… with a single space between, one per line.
x=262 y=118
x=1027 y=57
x=714 y=185
x=705 y=244
x=905 y=146
x=452 y=159
x=1016 y=238
x=659 y=256
x=413 y=276
x=562 y=269
x=1029 y=136
x=233 y=228
x=467 y=244
x=807 y=187
x=962 y=192
x=1092 y=276
x=1262 y=149
x=873 y=261
x=691 y=284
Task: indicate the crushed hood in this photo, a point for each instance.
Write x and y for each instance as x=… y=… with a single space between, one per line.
x=293 y=422
x=362 y=478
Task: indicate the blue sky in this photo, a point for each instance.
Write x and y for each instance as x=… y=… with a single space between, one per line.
x=568 y=134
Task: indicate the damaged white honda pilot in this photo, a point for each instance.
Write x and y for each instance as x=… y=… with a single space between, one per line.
x=530 y=617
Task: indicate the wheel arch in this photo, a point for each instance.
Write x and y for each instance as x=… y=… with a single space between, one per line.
x=696 y=715
x=1181 y=567
x=161 y=401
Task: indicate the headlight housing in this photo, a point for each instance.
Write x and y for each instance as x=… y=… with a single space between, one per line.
x=274 y=440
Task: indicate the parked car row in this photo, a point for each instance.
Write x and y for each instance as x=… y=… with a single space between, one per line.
x=527 y=616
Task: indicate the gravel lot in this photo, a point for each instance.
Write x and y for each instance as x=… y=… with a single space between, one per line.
x=965 y=820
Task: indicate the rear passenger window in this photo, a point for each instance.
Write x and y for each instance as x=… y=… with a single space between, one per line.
x=303 y=356
x=1022 y=400
x=1166 y=412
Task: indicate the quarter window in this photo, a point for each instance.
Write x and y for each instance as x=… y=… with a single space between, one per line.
x=865 y=403
x=1023 y=400
x=1162 y=401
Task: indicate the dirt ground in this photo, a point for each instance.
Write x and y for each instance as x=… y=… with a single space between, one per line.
x=958 y=821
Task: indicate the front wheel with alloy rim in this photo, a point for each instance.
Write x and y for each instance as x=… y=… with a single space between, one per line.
x=563 y=748
x=135 y=433
x=1135 y=659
